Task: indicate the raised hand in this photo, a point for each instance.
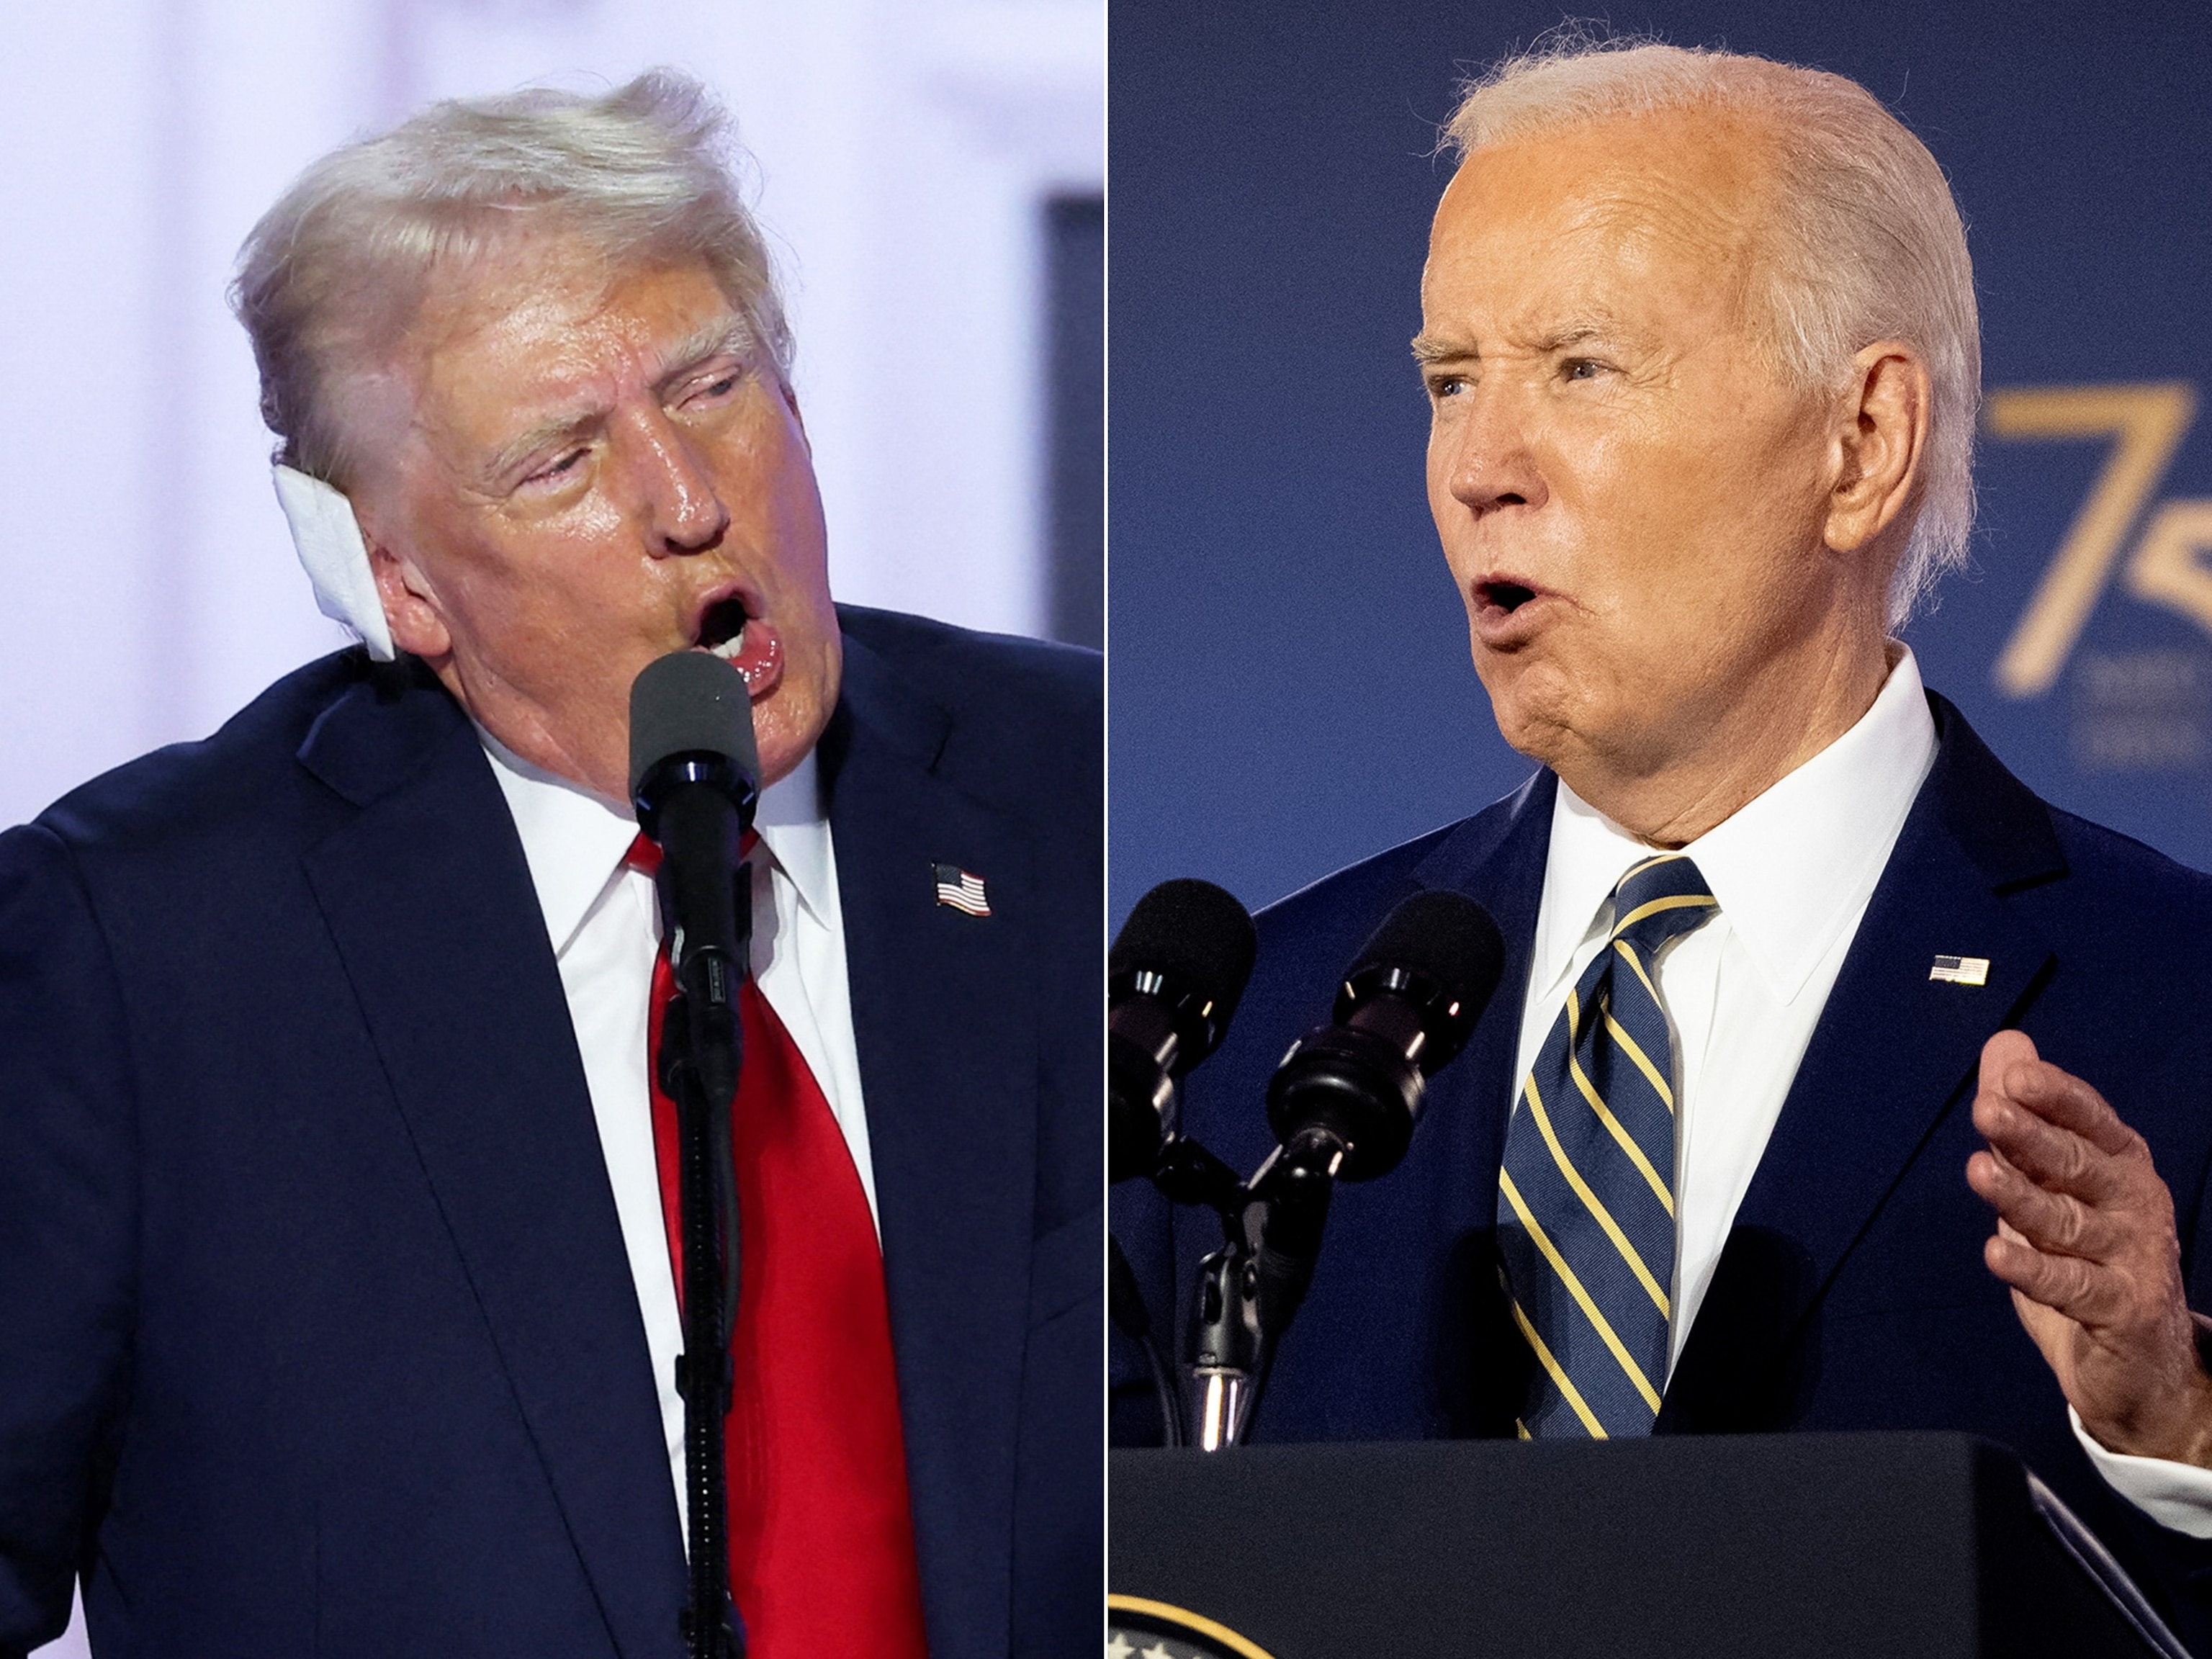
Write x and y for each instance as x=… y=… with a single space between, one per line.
x=2085 y=1238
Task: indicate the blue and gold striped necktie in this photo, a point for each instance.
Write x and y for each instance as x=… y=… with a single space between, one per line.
x=1586 y=1196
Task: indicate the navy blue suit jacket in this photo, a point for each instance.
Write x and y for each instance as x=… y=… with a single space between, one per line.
x=317 y=1334
x=1852 y=1292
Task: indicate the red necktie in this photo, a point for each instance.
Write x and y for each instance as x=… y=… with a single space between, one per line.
x=822 y=1556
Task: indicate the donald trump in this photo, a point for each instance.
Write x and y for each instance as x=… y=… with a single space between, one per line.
x=337 y=1306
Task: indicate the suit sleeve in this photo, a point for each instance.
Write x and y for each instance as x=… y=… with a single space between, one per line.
x=67 y=1220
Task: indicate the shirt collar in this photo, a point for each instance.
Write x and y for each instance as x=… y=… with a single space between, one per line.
x=1790 y=870
x=796 y=832
x=574 y=842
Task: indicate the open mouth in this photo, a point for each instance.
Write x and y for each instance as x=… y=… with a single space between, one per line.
x=748 y=643
x=1508 y=597
x=722 y=629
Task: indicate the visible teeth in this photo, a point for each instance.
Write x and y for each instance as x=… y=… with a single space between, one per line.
x=729 y=648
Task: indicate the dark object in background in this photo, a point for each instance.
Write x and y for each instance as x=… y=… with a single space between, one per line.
x=1075 y=234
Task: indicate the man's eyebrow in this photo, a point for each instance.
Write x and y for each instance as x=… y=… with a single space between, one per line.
x=1581 y=332
x=546 y=432
x=1434 y=349
x=731 y=338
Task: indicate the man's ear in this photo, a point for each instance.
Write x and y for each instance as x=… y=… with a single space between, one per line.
x=410 y=605
x=1881 y=443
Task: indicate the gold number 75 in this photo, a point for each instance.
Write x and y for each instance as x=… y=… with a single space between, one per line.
x=2148 y=422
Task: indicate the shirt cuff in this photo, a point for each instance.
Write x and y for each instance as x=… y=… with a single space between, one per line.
x=2177 y=1496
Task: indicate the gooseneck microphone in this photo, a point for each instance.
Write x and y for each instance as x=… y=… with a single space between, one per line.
x=695 y=780
x=1349 y=1093
x=1174 y=974
x=1342 y=1105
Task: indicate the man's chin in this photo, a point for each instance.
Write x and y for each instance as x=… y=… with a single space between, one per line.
x=1533 y=703
x=1548 y=742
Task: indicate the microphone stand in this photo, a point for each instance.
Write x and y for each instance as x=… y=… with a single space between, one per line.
x=701 y=1056
x=1250 y=1290
x=1223 y=1339
x=1228 y=1349
x=1185 y=1173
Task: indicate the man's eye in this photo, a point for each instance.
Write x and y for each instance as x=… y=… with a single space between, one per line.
x=718 y=388
x=1580 y=368
x=1447 y=386
x=567 y=462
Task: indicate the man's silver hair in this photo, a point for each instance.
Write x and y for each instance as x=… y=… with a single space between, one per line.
x=330 y=279
x=1863 y=240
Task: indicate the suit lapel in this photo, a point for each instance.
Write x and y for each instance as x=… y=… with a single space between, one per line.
x=430 y=901
x=1498 y=861
x=1894 y=1052
x=944 y=1020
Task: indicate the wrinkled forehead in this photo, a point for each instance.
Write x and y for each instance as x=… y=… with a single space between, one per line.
x=567 y=284
x=1604 y=202
x=533 y=325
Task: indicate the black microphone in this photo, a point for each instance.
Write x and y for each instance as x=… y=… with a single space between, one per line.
x=695 y=780
x=1345 y=1100
x=1177 y=970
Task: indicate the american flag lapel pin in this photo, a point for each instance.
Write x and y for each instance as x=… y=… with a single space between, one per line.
x=1961 y=970
x=962 y=889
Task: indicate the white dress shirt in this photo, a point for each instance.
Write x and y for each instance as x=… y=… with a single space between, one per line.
x=605 y=927
x=1793 y=872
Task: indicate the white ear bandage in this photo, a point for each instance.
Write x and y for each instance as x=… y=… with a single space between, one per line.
x=328 y=537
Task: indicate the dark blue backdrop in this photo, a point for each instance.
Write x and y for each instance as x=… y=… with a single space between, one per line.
x=1291 y=687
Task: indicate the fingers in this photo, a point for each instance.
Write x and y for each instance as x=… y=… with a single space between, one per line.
x=2054 y=1128
x=2083 y=1292
x=2001 y=1054
x=2061 y=1098
x=2083 y=1221
x=2059 y=1160
x=2057 y=1222
x=2011 y=1070
x=2084 y=1238
x=2062 y=1284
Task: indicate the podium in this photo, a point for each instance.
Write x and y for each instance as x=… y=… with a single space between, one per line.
x=1816 y=1546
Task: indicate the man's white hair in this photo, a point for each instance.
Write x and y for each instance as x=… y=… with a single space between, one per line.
x=1864 y=241
x=329 y=280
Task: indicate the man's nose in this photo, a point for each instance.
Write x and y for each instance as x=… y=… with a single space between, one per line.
x=1489 y=464
x=676 y=497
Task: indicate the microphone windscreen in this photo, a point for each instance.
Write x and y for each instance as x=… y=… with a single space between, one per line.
x=1192 y=932
x=690 y=702
x=1443 y=935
